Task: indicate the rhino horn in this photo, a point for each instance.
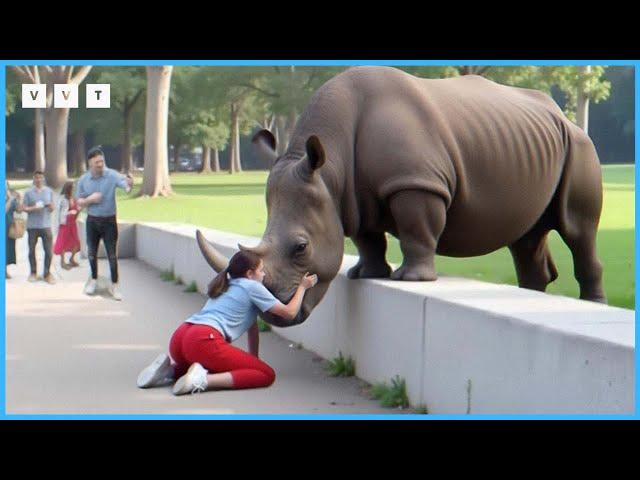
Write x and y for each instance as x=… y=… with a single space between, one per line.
x=259 y=250
x=214 y=258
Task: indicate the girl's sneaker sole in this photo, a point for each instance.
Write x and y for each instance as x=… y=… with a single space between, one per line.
x=179 y=387
x=155 y=373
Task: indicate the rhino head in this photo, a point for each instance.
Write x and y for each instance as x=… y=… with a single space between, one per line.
x=304 y=232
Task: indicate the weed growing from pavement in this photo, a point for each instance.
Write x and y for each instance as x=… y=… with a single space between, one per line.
x=167 y=275
x=178 y=281
x=191 y=288
x=394 y=395
x=263 y=326
x=341 y=366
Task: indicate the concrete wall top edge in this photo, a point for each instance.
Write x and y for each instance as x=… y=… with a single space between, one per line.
x=563 y=314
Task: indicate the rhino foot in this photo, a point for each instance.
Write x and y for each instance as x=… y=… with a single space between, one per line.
x=362 y=270
x=415 y=273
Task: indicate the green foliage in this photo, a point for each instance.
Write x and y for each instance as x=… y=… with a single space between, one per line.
x=394 y=395
x=341 y=366
x=167 y=275
x=178 y=281
x=191 y=288
x=263 y=326
x=432 y=71
x=421 y=410
x=568 y=79
x=128 y=86
x=13 y=93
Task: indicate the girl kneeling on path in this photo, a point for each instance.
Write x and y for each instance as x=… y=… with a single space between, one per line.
x=201 y=353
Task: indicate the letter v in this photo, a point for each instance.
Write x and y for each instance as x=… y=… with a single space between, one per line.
x=66 y=95
x=33 y=97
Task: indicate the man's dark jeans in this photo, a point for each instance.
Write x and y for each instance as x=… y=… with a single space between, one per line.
x=105 y=228
x=47 y=240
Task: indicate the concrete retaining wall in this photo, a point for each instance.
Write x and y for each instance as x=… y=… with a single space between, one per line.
x=126 y=240
x=462 y=346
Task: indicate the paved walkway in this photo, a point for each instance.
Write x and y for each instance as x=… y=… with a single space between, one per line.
x=67 y=353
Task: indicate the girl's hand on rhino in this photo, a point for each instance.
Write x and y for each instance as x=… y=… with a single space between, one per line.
x=309 y=281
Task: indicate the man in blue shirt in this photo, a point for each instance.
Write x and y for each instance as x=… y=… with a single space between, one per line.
x=38 y=203
x=97 y=192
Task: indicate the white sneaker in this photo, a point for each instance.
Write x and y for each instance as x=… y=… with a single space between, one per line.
x=194 y=381
x=90 y=287
x=157 y=373
x=114 y=290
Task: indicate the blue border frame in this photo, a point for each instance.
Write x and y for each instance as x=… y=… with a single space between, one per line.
x=124 y=63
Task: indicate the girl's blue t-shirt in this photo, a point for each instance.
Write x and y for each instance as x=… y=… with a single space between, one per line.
x=233 y=312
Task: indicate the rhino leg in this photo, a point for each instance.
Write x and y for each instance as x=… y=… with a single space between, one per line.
x=586 y=266
x=578 y=208
x=372 y=248
x=419 y=217
x=534 y=266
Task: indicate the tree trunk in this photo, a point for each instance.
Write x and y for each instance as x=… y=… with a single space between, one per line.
x=39 y=155
x=291 y=124
x=156 y=163
x=276 y=135
x=232 y=141
x=216 y=160
x=206 y=160
x=582 y=103
x=237 y=149
x=56 y=124
x=126 y=160
x=282 y=131
x=78 y=164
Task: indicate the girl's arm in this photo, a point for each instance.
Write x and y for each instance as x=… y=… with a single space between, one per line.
x=291 y=309
x=254 y=339
x=64 y=209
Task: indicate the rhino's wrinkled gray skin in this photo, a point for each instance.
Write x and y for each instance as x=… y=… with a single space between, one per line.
x=458 y=167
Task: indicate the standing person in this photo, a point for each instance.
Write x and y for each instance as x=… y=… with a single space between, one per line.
x=67 y=239
x=38 y=203
x=11 y=205
x=97 y=191
x=201 y=349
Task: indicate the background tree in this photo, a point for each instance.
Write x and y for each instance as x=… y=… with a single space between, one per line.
x=156 y=165
x=56 y=119
x=32 y=75
x=127 y=88
x=285 y=92
x=579 y=85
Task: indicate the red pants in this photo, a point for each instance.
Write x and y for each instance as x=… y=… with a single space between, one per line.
x=204 y=344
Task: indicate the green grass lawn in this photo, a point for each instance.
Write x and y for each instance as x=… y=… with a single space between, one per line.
x=235 y=203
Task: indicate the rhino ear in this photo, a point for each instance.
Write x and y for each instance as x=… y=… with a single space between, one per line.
x=315 y=153
x=265 y=144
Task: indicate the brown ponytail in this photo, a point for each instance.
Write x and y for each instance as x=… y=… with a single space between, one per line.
x=219 y=284
x=239 y=265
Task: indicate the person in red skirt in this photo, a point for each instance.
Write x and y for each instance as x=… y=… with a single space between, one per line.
x=67 y=239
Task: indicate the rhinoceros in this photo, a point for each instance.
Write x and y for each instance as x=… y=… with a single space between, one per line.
x=458 y=167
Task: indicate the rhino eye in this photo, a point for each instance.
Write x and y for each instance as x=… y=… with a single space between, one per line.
x=300 y=248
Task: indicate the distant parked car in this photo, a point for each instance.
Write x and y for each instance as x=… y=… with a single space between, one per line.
x=186 y=165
